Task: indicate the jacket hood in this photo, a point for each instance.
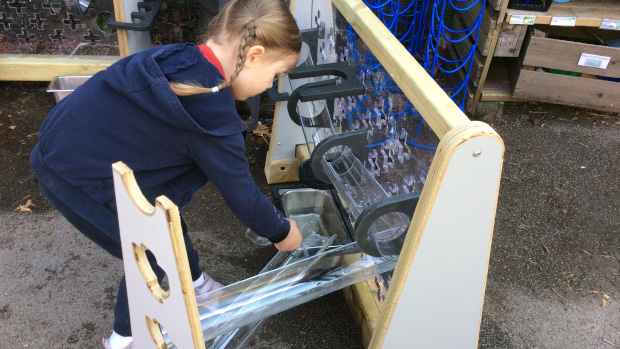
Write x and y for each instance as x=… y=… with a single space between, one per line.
x=143 y=78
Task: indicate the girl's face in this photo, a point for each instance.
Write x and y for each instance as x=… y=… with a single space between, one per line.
x=260 y=70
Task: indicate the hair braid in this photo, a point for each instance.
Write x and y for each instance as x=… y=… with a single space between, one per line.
x=268 y=22
x=248 y=38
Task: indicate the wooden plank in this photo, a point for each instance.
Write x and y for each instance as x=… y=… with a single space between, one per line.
x=365 y=308
x=510 y=40
x=496 y=4
x=46 y=67
x=487 y=25
x=574 y=91
x=281 y=171
x=487 y=63
x=564 y=55
x=438 y=110
x=497 y=87
x=119 y=14
x=462 y=49
x=588 y=13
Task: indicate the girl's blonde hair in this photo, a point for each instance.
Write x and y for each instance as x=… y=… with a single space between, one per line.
x=269 y=22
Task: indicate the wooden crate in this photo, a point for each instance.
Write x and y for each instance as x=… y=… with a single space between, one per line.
x=587 y=92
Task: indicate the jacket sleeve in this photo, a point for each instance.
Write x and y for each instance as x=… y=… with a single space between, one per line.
x=223 y=160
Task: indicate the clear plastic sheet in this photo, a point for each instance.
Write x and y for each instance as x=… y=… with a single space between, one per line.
x=251 y=300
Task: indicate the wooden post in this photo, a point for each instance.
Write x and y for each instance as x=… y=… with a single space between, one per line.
x=129 y=41
x=119 y=13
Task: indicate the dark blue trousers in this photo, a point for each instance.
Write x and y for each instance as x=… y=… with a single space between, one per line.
x=122 y=324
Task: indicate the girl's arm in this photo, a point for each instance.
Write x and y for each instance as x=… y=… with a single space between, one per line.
x=293 y=239
x=223 y=160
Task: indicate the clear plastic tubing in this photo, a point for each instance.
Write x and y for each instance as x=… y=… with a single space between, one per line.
x=358 y=189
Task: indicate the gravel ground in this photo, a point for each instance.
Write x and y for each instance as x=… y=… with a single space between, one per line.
x=554 y=275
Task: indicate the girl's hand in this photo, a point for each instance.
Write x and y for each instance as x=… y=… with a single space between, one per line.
x=292 y=240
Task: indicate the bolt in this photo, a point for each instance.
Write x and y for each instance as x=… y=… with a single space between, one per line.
x=477 y=153
x=279 y=143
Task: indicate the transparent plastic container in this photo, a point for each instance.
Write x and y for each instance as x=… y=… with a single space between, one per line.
x=358 y=189
x=314 y=116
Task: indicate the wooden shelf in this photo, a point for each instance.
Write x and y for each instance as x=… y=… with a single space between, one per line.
x=498 y=85
x=589 y=13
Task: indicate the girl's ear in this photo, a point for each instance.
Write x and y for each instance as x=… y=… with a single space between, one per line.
x=255 y=53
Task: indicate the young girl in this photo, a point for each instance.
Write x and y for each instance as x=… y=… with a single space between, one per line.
x=168 y=112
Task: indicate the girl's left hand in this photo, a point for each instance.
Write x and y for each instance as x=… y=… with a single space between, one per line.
x=292 y=240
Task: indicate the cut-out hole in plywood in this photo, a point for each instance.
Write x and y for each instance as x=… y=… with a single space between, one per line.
x=153 y=285
x=155 y=331
x=159 y=283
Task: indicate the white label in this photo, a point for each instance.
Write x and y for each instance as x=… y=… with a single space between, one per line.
x=522 y=19
x=595 y=61
x=564 y=21
x=608 y=23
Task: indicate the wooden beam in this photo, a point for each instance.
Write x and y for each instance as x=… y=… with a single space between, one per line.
x=46 y=67
x=438 y=110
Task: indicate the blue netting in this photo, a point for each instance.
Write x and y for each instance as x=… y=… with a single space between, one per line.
x=426 y=29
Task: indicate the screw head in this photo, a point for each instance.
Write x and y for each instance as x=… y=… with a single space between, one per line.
x=477 y=153
x=279 y=143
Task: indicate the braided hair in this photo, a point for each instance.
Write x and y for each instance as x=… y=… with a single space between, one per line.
x=268 y=21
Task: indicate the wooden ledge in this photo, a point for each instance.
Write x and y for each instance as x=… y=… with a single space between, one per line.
x=46 y=67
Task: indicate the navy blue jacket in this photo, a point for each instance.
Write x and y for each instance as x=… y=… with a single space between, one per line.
x=174 y=145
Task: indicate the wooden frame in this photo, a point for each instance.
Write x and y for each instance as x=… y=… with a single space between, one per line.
x=46 y=67
x=413 y=288
x=15 y=67
x=471 y=108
